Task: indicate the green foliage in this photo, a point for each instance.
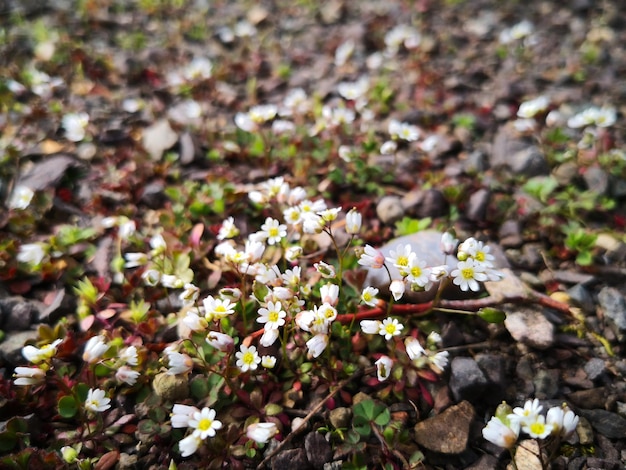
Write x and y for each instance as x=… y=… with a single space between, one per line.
x=368 y=413
x=491 y=315
x=541 y=187
x=408 y=225
x=581 y=242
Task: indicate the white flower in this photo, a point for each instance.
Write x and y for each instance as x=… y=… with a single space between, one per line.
x=317 y=344
x=295 y=100
x=94 y=349
x=37 y=355
x=268 y=337
x=244 y=29
x=389 y=147
x=253 y=251
x=527 y=414
x=134 y=260
x=190 y=294
x=467 y=275
x=403 y=131
x=563 y=422
x=217 y=308
x=273 y=231
x=228 y=229
x=151 y=277
x=500 y=434
x=293 y=253
x=28 y=376
x=181 y=414
x=268 y=362
x=397 y=289
x=281 y=126
x=220 y=341
x=413 y=348
x=329 y=293
x=390 y=327
x=400 y=258
x=178 y=363
x=328 y=215
x=519 y=31
x=529 y=109
x=74 y=125
x=606 y=117
x=383 y=367
x=273 y=317
x=247 y=358
x=338 y=116
x=440 y=360
x=326 y=270
x=126 y=228
x=537 y=428
x=343 y=52
x=97 y=401
x=353 y=221
x=31 y=253
x=129 y=355
x=126 y=375
x=189 y=445
x=172 y=281
x=261 y=432
x=353 y=90
x=200 y=68
x=417 y=272
x=372 y=258
x=368 y=296
x=204 y=423
x=371 y=327
x=21 y=197
x=433 y=338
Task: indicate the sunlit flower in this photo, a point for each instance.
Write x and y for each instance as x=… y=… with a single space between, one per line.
x=371 y=327
x=353 y=221
x=417 y=273
x=129 y=355
x=537 y=428
x=189 y=445
x=343 y=52
x=151 y=277
x=189 y=294
x=326 y=270
x=37 y=355
x=31 y=253
x=372 y=258
x=94 y=349
x=126 y=228
x=268 y=337
x=403 y=131
x=368 y=296
x=247 y=358
x=413 y=348
x=467 y=275
x=383 y=367
x=399 y=35
x=133 y=260
x=515 y=33
x=390 y=327
x=389 y=147
x=228 y=229
x=204 y=423
x=397 y=289
x=261 y=432
x=181 y=414
x=217 y=308
x=448 y=243
x=268 y=362
x=273 y=231
x=127 y=375
x=179 y=363
x=330 y=214
x=329 y=293
x=527 y=414
x=200 y=68
x=293 y=253
x=353 y=90
x=529 y=109
x=433 y=338
x=29 y=376
x=317 y=344
x=295 y=101
x=97 y=401
x=439 y=360
x=75 y=125
x=338 y=116
x=400 y=257
x=273 y=317
x=563 y=421
x=21 y=197
x=500 y=434
x=172 y=281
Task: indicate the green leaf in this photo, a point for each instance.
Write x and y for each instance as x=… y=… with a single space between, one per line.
x=68 y=406
x=8 y=441
x=383 y=417
x=199 y=387
x=81 y=390
x=492 y=315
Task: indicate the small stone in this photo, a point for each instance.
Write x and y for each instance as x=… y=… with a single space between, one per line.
x=517 y=155
x=171 y=387
x=527 y=456
x=614 y=249
x=597 y=180
x=340 y=417
x=529 y=326
x=614 y=307
x=486 y=462
x=290 y=459
x=585 y=432
x=158 y=138
x=421 y=204
x=476 y=163
x=11 y=347
x=607 y=423
x=477 y=205
x=594 y=368
x=546 y=384
x=389 y=209
x=318 y=450
x=153 y=195
x=581 y=297
x=510 y=234
x=447 y=432
x=467 y=381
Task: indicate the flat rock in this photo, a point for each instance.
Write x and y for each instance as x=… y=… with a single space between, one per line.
x=290 y=459
x=467 y=381
x=11 y=347
x=448 y=432
x=529 y=326
x=614 y=307
x=527 y=456
x=318 y=451
x=517 y=155
x=390 y=209
x=609 y=424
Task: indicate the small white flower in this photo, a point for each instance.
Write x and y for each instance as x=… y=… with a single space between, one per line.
x=268 y=362
x=172 y=281
x=343 y=52
x=29 y=376
x=529 y=109
x=527 y=414
x=383 y=368
x=368 y=296
x=133 y=260
x=190 y=294
x=151 y=277
x=200 y=68
x=401 y=257
x=353 y=222
x=390 y=327
x=126 y=375
x=537 y=428
x=268 y=337
x=403 y=131
x=247 y=358
x=417 y=273
x=326 y=270
x=273 y=317
x=97 y=401
x=21 y=197
x=181 y=414
x=217 y=308
x=94 y=349
x=500 y=434
x=273 y=231
x=189 y=445
x=413 y=348
x=228 y=229
x=467 y=275
x=204 y=423
x=129 y=355
x=293 y=253
x=372 y=258
x=261 y=432
x=397 y=289
x=178 y=363
x=440 y=360
x=389 y=147
x=37 y=355
x=563 y=422
x=329 y=293
x=317 y=344
x=220 y=341
x=75 y=125
x=31 y=253
x=371 y=327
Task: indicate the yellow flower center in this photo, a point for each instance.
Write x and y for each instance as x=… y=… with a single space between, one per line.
x=390 y=328
x=537 y=428
x=467 y=273
x=402 y=261
x=480 y=256
x=273 y=316
x=248 y=358
x=273 y=232
x=205 y=424
x=416 y=271
x=220 y=309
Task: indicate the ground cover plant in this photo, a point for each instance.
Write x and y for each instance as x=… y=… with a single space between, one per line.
x=214 y=229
